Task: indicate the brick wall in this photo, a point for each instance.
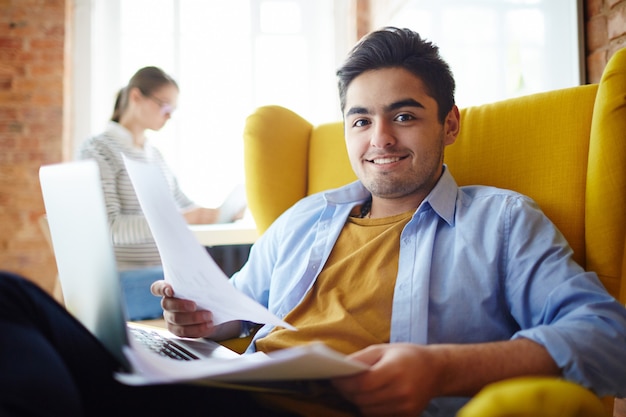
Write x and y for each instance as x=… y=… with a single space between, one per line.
x=32 y=44
x=605 y=32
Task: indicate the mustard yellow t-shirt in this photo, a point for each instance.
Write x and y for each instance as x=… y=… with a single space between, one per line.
x=349 y=306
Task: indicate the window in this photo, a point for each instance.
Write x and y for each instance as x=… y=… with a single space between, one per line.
x=499 y=48
x=228 y=57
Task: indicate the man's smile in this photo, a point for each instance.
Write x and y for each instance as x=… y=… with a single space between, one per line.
x=386 y=160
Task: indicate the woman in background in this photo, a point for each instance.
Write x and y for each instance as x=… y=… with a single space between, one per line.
x=147 y=102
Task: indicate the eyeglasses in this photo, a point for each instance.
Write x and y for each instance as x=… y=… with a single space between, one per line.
x=166 y=108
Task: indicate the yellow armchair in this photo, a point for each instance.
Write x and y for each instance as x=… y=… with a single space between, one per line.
x=566 y=149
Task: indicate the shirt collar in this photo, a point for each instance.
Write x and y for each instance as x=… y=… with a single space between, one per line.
x=119 y=132
x=354 y=192
x=442 y=198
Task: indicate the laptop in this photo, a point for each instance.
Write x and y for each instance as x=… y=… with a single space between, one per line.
x=77 y=219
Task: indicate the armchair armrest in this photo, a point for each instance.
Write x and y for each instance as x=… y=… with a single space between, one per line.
x=276 y=148
x=534 y=397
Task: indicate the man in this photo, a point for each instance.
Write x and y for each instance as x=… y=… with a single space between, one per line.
x=440 y=289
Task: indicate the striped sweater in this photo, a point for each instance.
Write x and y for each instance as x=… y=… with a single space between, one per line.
x=131 y=236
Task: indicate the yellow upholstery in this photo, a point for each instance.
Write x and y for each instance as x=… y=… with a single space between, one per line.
x=534 y=397
x=566 y=149
x=286 y=158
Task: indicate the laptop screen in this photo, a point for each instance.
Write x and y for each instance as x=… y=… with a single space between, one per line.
x=79 y=229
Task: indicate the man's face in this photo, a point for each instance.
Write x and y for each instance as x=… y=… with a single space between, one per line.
x=394 y=139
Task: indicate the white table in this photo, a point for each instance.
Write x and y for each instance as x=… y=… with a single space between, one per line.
x=237 y=233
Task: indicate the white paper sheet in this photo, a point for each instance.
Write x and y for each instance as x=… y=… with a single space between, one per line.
x=313 y=361
x=188 y=267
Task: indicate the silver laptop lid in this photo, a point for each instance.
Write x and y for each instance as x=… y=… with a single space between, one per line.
x=79 y=229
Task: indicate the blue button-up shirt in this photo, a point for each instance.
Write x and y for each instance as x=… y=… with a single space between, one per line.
x=477 y=264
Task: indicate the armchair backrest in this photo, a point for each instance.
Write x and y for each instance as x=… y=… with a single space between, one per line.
x=566 y=149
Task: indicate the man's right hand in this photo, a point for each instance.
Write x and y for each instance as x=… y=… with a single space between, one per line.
x=182 y=316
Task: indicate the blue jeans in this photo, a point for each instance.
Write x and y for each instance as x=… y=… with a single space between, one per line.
x=139 y=301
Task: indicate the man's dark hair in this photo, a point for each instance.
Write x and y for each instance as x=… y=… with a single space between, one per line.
x=392 y=47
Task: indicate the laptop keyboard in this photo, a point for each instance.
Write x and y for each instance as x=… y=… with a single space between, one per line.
x=161 y=345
